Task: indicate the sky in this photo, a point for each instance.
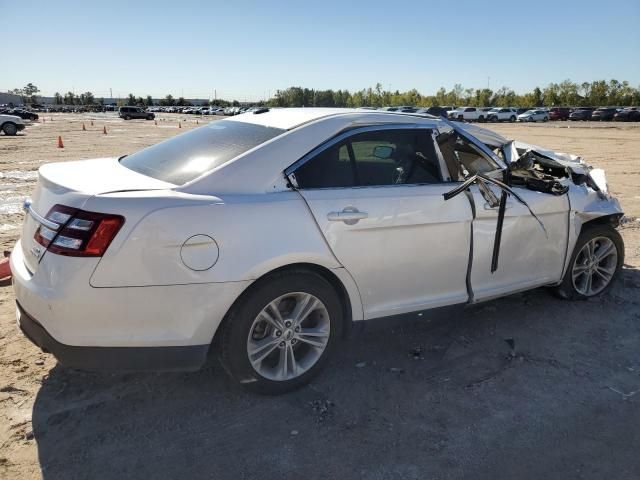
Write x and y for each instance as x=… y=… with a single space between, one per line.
x=249 y=49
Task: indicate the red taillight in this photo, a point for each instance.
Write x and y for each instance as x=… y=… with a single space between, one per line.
x=78 y=233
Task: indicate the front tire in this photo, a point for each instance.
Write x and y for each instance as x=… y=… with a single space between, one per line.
x=597 y=258
x=512 y=118
x=279 y=334
x=9 y=129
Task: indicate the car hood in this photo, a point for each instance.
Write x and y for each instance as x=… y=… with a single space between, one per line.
x=13 y=118
x=573 y=163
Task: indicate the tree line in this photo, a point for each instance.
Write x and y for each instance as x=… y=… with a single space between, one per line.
x=566 y=93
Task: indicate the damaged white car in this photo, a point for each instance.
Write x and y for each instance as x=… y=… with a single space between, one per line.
x=264 y=236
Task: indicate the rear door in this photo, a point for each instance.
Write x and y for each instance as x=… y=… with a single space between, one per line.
x=376 y=194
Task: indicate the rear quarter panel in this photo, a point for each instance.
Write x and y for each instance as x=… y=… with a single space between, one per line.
x=254 y=234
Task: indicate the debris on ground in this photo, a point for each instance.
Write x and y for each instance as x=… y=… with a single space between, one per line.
x=361 y=364
x=416 y=353
x=512 y=347
x=322 y=409
x=625 y=396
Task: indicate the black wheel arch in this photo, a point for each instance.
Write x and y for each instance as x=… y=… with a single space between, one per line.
x=323 y=272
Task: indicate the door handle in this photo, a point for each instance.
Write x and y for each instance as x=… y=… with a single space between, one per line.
x=348 y=215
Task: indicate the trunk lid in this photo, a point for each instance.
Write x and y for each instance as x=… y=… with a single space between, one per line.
x=72 y=184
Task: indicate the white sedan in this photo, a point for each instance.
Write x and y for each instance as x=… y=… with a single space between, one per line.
x=534 y=116
x=272 y=231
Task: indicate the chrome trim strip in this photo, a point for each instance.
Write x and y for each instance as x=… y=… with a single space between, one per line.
x=40 y=219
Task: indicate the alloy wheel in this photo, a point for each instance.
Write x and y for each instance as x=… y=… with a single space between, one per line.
x=288 y=336
x=594 y=266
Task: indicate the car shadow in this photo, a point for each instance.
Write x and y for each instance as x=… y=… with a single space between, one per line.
x=475 y=389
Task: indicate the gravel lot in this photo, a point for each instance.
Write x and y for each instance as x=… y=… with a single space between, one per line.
x=528 y=386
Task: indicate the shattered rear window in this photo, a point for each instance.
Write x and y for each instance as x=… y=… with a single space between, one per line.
x=185 y=157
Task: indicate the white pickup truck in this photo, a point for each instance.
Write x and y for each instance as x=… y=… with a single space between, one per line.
x=11 y=124
x=469 y=114
x=502 y=114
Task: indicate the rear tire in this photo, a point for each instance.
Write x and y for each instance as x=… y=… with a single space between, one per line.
x=295 y=347
x=512 y=118
x=586 y=276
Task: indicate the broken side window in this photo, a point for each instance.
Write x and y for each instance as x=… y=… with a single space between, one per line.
x=462 y=157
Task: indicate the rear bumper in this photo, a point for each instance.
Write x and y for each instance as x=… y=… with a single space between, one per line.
x=112 y=358
x=129 y=328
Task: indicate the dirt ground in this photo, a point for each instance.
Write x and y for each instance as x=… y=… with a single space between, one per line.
x=442 y=395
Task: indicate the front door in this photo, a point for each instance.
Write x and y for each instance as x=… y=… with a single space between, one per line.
x=377 y=196
x=529 y=255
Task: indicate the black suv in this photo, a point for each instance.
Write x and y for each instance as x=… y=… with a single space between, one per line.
x=135 y=112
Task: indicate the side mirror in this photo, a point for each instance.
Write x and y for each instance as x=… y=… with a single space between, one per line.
x=383 y=152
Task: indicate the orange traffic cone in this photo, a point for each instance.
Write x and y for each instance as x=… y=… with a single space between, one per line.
x=60 y=144
x=92 y=123
x=179 y=125
x=5 y=268
x=84 y=129
x=104 y=130
x=197 y=122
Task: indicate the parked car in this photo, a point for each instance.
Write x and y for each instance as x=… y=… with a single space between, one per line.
x=265 y=231
x=11 y=124
x=502 y=115
x=22 y=113
x=469 y=114
x=582 y=113
x=435 y=111
x=534 y=116
x=631 y=114
x=604 y=113
x=135 y=112
x=559 y=113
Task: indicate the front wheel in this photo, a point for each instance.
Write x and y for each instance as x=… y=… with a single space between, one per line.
x=127 y=117
x=545 y=119
x=278 y=336
x=9 y=129
x=596 y=261
x=512 y=118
